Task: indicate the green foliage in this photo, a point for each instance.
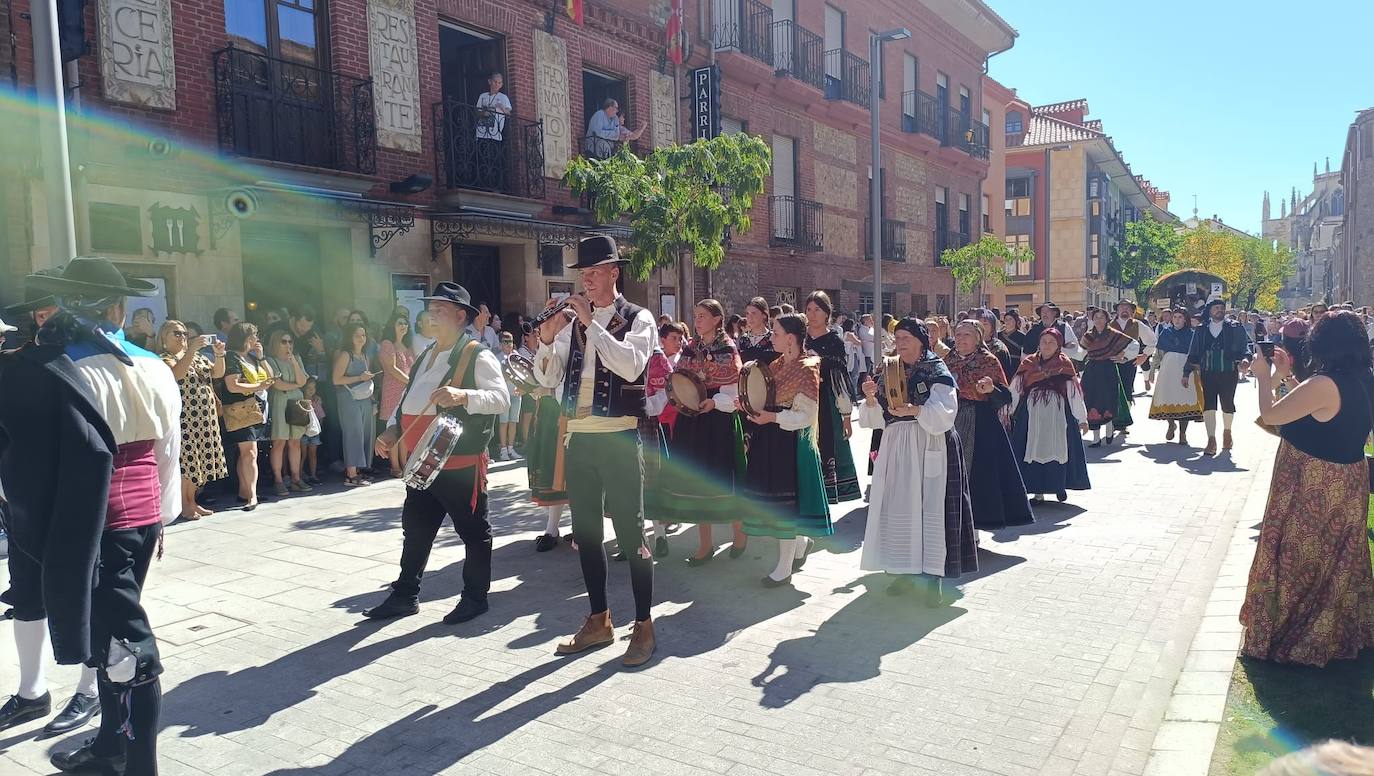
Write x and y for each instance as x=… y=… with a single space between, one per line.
x=678 y=198
x=1264 y=268
x=988 y=259
x=1147 y=252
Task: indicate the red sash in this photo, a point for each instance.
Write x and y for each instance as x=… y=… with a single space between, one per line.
x=414 y=434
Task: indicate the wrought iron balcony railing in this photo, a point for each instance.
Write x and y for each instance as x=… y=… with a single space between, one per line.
x=796 y=222
x=798 y=53
x=921 y=113
x=894 y=239
x=745 y=26
x=475 y=148
x=270 y=108
x=948 y=239
x=974 y=138
x=846 y=77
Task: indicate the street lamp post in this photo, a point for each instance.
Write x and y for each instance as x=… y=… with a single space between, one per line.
x=875 y=191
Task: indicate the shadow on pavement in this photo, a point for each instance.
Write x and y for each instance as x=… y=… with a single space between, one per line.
x=510 y=509
x=1191 y=458
x=1049 y=517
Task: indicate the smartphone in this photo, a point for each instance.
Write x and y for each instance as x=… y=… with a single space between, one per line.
x=1267 y=348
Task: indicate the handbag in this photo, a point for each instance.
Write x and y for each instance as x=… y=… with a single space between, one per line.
x=362 y=391
x=312 y=429
x=299 y=412
x=242 y=414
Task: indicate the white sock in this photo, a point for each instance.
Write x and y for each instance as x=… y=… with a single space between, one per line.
x=786 y=553
x=1097 y=434
x=1226 y=418
x=803 y=544
x=86 y=684
x=660 y=529
x=1209 y=420
x=555 y=517
x=31 y=641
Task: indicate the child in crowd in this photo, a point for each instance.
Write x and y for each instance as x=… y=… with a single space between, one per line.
x=311 y=444
x=511 y=419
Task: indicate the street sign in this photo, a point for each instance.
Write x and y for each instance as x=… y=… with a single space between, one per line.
x=705 y=102
x=1216 y=289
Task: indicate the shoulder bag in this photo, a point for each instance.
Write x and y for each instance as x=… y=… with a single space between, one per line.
x=362 y=391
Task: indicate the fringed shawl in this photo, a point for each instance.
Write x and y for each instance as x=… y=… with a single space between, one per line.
x=1105 y=345
x=968 y=370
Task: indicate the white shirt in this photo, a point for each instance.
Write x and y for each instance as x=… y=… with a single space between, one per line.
x=496 y=106
x=1215 y=327
x=488 y=398
x=627 y=358
x=1148 y=338
x=866 y=337
x=418 y=343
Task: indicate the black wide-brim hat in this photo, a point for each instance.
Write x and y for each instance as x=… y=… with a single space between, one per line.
x=91 y=276
x=448 y=291
x=1134 y=307
x=595 y=251
x=1040 y=307
x=34 y=298
x=1210 y=302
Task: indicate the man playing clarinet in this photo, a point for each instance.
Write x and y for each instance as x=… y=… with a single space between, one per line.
x=602 y=343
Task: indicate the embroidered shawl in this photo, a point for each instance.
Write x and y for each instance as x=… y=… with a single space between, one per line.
x=1041 y=377
x=799 y=377
x=1105 y=345
x=968 y=370
x=716 y=363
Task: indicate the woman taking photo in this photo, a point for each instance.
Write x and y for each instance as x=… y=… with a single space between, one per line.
x=354 y=387
x=994 y=481
x=1310 y=596
x=1049 y=419
x=202 y=452
x=286 y=438
x=243 y=393
x=1102 y=390
x=1175 y=401
x=396 y=358
x=920 y=522
x=706 y=453
x=837 y=401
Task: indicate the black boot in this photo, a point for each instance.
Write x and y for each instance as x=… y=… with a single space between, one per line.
x=84 y=759
x=393 y=606
x=17 y=710
x=78 y=711
x=468 y=607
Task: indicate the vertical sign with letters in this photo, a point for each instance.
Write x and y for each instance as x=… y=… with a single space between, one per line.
x=705 y=103
x=395 y=73
x=137 y=63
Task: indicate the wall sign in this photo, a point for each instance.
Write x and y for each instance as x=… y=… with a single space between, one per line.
x=137 y=64
x=705 y=103
x=175 y=229
x=395 y=73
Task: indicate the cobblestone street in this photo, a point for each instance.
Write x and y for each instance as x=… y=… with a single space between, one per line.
x=1058 y=658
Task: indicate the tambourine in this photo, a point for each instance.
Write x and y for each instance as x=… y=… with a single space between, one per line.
x=894 y=382
x=687 y=392
x=757 y=389
x=428 y=458
x=520 y=371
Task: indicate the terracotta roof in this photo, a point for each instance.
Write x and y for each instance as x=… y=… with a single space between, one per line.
x=1047 y=130
x=1060 y=107
x=1093 y=124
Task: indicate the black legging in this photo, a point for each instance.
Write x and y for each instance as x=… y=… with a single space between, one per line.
x=605 y=475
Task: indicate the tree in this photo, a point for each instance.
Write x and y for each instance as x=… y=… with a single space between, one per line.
x=976 y=263
x=1214 y=251
x=678 y=198
x=1264 y=269
x=1148 y=251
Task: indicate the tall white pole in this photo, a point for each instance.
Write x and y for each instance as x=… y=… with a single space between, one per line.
x=52 y=126
x=875 y=194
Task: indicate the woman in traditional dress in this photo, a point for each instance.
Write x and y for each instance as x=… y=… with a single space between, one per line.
x=995 y=486
x=1050 y=418
x=1310 y=596
x=987 y=325
x=1012 y=336
x=1102 y=390
x=707 y=448
x=756 y=342
x=920 y=522
x=785 y=495
x=1177 y=398
x=544 y=462
x=837 y=401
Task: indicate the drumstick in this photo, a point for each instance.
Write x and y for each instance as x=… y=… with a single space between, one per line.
x=411 y=427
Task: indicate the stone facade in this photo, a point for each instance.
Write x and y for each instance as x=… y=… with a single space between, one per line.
x=1356 y=241
x=1310 y=229
x=395 y=73
x=551 y=90
x=834 y=142
x=137 y=53
x=664 y=106
x=837 y=187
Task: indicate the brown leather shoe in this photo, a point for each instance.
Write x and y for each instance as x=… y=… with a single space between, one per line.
x=1211 y=448
x=642 y=644
x=595 y=632
x=1169 y=435
x=1226 y=439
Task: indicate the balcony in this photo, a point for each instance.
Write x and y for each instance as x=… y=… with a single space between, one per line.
x=745 y=26
x=486 y=151
x=283 y=111
x=796 y=223
x=948 y=239
x=846 y=77
x=798 y=53
x=894 y=239
x=973 y=138
x=921 y=113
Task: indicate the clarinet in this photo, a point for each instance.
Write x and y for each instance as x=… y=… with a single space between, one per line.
x=532 y=324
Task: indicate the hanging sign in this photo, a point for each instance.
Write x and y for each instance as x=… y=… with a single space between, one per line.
x=705 y=102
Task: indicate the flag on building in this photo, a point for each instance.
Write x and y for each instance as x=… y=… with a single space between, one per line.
x=673 y=31
x=575 y=11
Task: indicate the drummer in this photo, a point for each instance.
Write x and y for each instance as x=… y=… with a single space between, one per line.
x=463 y=379
x=706 y=453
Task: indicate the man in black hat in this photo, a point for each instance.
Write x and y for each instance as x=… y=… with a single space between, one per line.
x=458 y=377
x=97 y=475
x=1049 y=318
x=598 y=349
x=1132 y=327
x=1221 y=350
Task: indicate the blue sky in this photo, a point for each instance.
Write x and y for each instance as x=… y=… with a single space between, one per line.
x=1218 y=98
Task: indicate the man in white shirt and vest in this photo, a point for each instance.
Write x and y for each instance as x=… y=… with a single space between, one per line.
x=1132 y=327
x=599 y=349
x=460 y=377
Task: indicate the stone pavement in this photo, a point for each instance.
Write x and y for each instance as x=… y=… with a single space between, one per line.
x=1059 y=658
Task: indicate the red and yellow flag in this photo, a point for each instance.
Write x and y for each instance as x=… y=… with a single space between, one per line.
x=575 y=11
x=673 y=32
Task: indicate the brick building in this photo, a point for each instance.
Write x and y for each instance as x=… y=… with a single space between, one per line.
x=261 y=153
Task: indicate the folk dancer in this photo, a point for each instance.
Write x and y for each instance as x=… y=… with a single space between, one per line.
x=653 y=438
x=1220 y=352
x=1127 y=323
x=987 y=325
x=783 y=487
x=458 y=377
x=1177 y=399
x=1102 y=389
x=601 y=360
x=996 y=489
x=707 y=450
x=920 y=520
x=547 y=472
x=756 y=343
x=1051 y=317
x=837 y=400
x=1049 y=420
x=90 y=487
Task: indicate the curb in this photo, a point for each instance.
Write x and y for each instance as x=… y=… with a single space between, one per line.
x=1185 y=741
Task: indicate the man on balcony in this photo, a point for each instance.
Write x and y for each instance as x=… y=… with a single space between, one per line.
x=492 y=109
x=605 y=131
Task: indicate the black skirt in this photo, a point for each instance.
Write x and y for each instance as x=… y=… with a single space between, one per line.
x=705 y=456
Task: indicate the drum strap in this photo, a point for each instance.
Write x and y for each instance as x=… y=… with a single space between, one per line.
x=465 y=358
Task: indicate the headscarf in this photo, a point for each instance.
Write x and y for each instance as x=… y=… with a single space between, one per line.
x=1042 y=377
x=929 y=369
x=968 y=370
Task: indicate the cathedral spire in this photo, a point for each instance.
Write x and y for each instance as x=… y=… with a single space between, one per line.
x=1266 y=206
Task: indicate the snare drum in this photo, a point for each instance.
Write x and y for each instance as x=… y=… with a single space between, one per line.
x=428 y=458
x=687 y=392
x=757 y=389
x=894 y=382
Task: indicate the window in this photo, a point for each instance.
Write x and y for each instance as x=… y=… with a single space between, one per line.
x=834 y=39
x=1097 y=208
x=729 y=126
x=866 y=302
x=1020 y=242
x=1018 y=202
x=1095 y=255
x=965 y=102
x=987 y=119
x=597 y=88
x=1014 y=125
x=286 y=29
x=909 y=65
x=964 y=215
x=551 y=260
x=920 y=305
x=942 y=304
x=987 y=214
